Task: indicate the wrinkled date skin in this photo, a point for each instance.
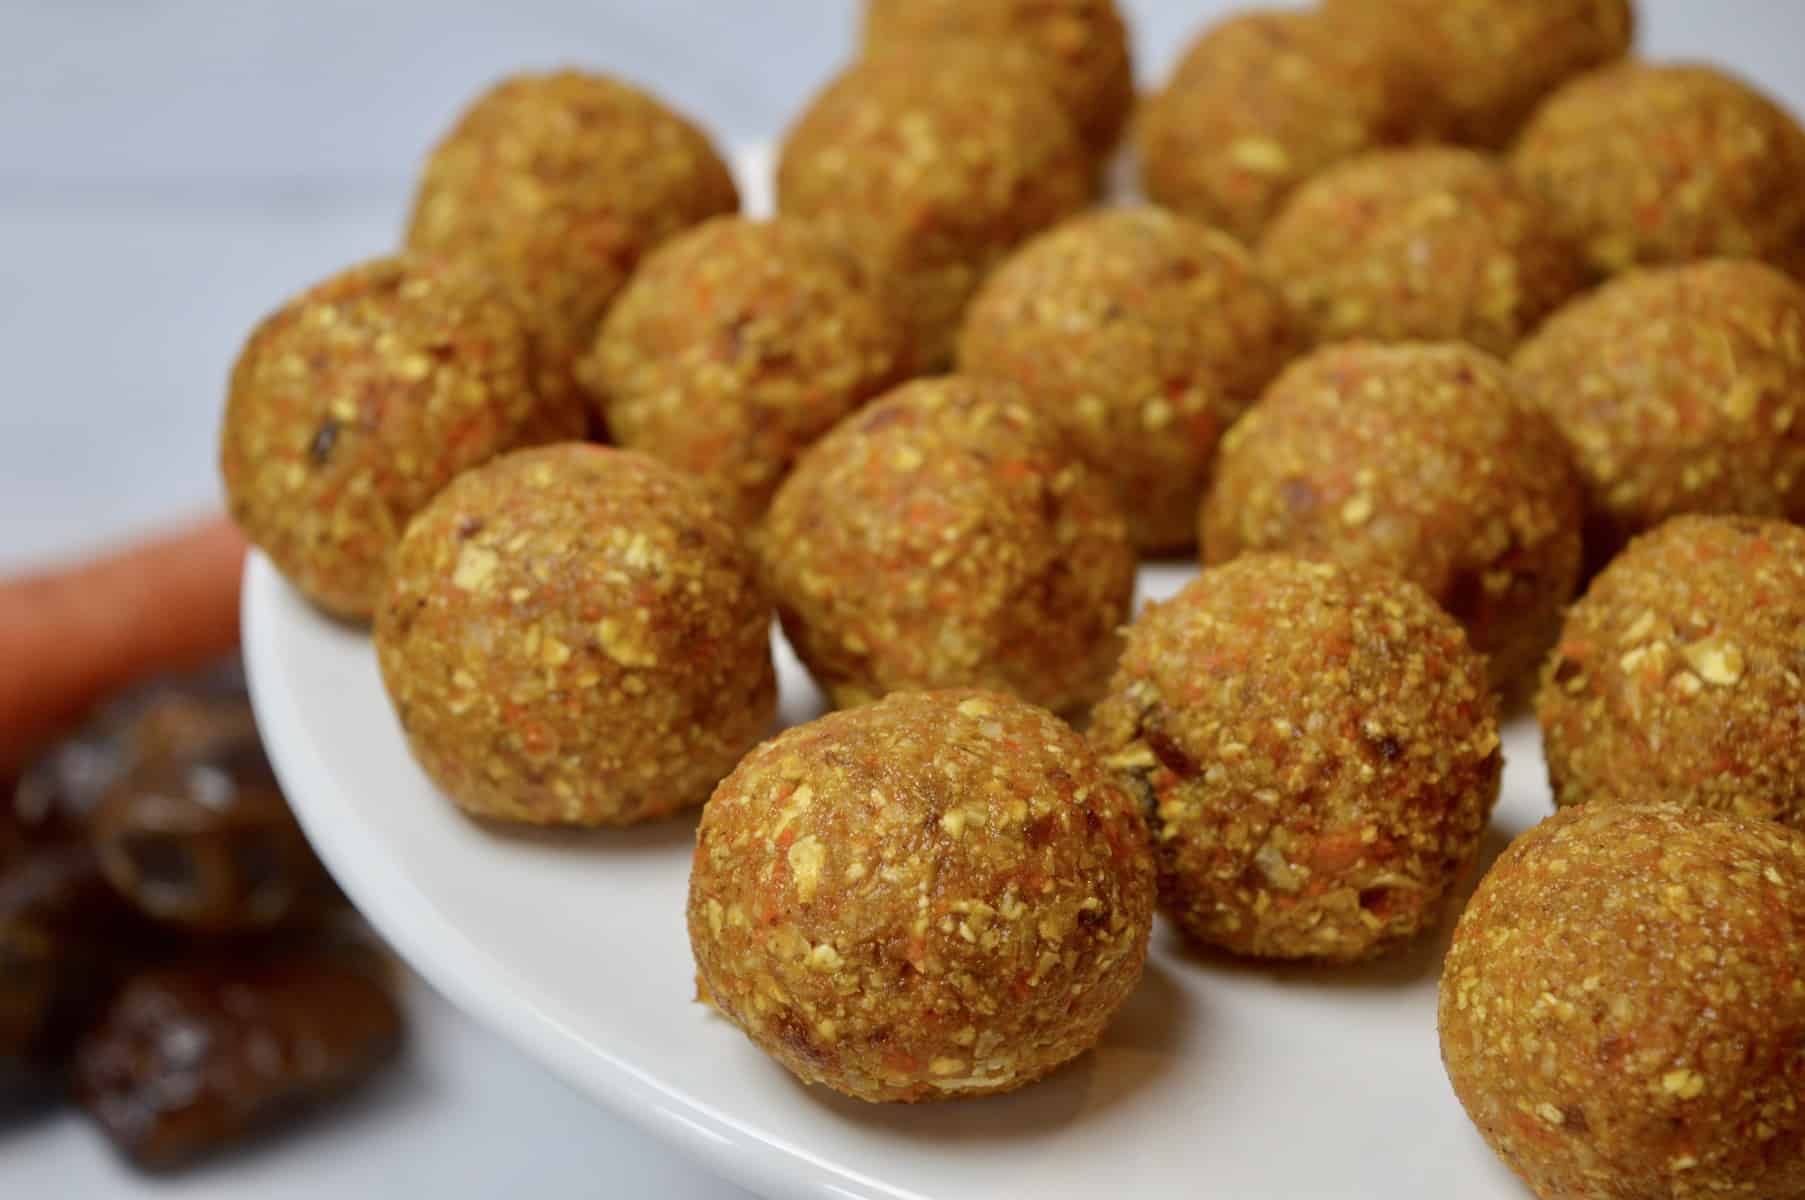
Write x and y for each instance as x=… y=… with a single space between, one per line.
x=192 y=1058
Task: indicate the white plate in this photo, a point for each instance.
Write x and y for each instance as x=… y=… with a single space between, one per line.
x=1219 y=1078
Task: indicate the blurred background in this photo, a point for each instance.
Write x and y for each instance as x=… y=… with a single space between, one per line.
x=170 y=171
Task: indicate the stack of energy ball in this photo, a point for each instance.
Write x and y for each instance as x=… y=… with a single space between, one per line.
x=1448 y=305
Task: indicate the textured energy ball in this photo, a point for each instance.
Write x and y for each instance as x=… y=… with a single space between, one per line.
x=1422 y=460
x=1318 y=751
x=1144 y=336
x=936 y=896
x=947 y=536
x=929 y=164
x=1433 y=244
x=355 y=402
x=1620 y=1011
x=1081 y=44
x=1260 y=103
x=575 y=635
x=1650 y=164
x=735 y=346
x=560 y=183
x=1680 y=675
x=1680 y=390
x=1484 y=65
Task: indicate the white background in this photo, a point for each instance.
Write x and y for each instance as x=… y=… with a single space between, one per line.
x=170 y=170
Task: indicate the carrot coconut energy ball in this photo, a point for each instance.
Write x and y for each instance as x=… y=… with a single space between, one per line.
x=735 y=346
x=355 y=402
x=574 y=635
x=1680 y=675
x=1144 y=336
x=1680 y=390
x=1317 y=750
x=559 y=184
x=1082 y=45
x=1484 y=65
x=1646 y=163
x=930 y=163
x=1436 y=243
x=940 y=895
x=1422 y=460
x=1620 y=1011
x=1260 y=103
x=947 y=536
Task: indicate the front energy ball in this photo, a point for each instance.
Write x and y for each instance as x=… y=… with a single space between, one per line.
x=355 y=402
x=1144 y=336
x=947 y=536
x=574 y=635
x=939 y=895
x=1621 y=1008
x=1422 y=460
x=1680 y=675
x=559 y=184
x=1317 y=751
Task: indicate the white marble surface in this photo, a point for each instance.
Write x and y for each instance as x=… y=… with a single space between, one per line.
x=169 y=170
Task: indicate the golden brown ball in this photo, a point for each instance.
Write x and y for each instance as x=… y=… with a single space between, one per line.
x=355 y=402
x=1317 y=750
x=559 y=183
x=1434 y=244
x=1421 y=460
x=734 y=347
x=1144 y=336
x=1680 y=675
x=1620 y=1011
x=937 y=896
x=575 y=635
x=947 y=536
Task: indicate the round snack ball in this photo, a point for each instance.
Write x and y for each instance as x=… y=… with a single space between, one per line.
x=355 y=402
x=930 y=163
x=1260 y=103
x=559 y=183
x=1082 y=45
x=1484 y=65
x=1422 y=460
x=1680 y=675
x=1649 y=164
x=936 y=896
x=1143 y=335
x=1433 y=244
x=1679 y=390
x=575 y=635
x=1620 y=1010
x=947 y=536
x=736 y=345
x=1317 y=750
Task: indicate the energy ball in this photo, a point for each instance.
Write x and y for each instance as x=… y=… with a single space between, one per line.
x=1651 y=164
x=1680 y=675
x=559 y=183
x=1484 y=65
x=1433 y=244
x=1082 y=45
x=1317 y=752
x=355 y=402
x=1620 y=1011
x=1144 y=336
x=937 y=896
x=947 y=536
x=735 y=346
x=1422 y=460
x=574 y=635
x=1679 y=390
x=1260 y=103
x=929 y=164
